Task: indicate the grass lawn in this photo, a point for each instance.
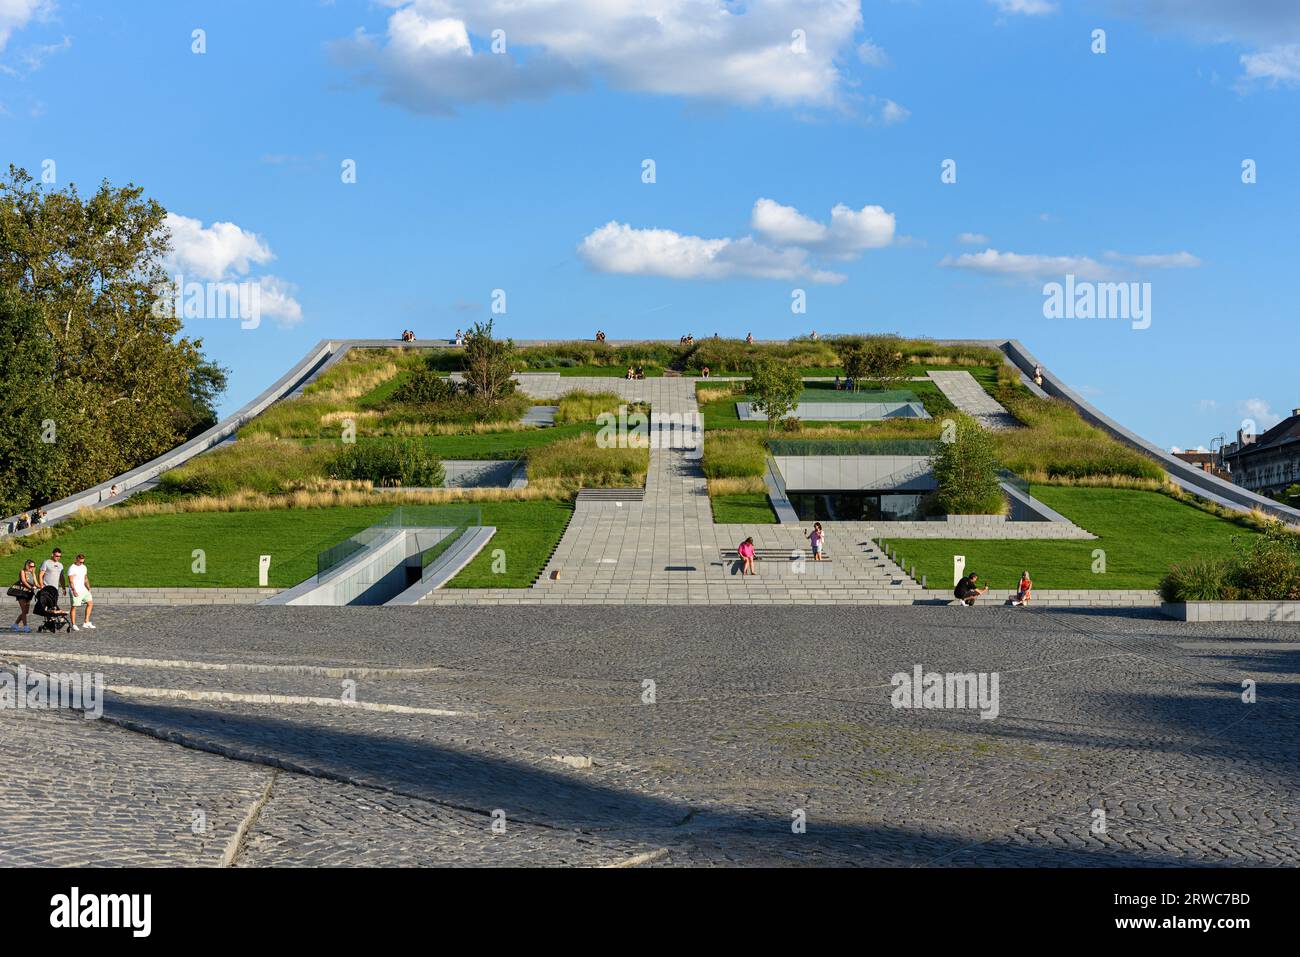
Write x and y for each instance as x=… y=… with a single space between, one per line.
x=155 y=551
x=527 y=532
x=750 y=508
x=1142 y=534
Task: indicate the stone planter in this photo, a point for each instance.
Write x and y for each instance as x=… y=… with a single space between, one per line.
x=1232 y=610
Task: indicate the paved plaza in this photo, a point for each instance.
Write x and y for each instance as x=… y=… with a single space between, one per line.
x=655 y=736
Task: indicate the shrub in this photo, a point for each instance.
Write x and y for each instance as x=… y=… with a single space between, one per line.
x=1264 y=567
x=424 y=387
x=389 y=462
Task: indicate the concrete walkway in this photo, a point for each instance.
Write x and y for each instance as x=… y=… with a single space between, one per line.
x=969 y=396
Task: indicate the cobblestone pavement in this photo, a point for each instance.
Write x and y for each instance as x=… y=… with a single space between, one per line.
x=540 y=719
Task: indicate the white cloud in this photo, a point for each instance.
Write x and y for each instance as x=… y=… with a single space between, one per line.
x=1027 y=266
x=223 y=252
x=891 y=113
x=849 y=233
x=277 y=301
x=1029 y=8
x=216 y=251
x=620 y=248
x=1278 y=65
x=1260 y=412
x=436 y=54
x=1179 y=260
x=16 y=14
x=871 y=54
x=1038 y=266
x=972 y=239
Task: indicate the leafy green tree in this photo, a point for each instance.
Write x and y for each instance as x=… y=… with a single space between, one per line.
x=776 y=388
x=966 y=471
x=488 y=365
x=92 y=266
x=28 y=464
x=883 y=359
x=197 y=411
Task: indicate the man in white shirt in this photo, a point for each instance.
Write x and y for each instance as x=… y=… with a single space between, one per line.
x=51 y=571
x=79 y=591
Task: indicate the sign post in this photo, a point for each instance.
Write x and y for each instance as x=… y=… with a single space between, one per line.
x=263 y=569
x=958 y=568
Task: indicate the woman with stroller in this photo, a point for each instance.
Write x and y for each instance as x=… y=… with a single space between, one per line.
x=24 y=590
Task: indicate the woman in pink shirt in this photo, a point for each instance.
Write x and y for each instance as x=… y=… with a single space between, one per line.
x=746 y=551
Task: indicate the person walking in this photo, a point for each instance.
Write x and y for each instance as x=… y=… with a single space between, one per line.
x=51 y=571
x=78 y=577
x=817 y=538
x=24 y=590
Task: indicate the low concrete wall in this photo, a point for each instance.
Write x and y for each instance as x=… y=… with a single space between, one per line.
x=1060 y=598
x=105 y=597
x=1233 y=610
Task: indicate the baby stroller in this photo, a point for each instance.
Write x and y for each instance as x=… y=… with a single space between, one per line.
x=47 y=607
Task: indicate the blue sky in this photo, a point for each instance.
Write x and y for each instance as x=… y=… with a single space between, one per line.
x=522 y=171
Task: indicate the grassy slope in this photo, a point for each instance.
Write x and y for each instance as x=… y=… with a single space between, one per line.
x=1142 y=533
x=156 y=551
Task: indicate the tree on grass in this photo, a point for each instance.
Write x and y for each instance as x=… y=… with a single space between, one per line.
x=127 y=381
x=488 y=365
x=28 y=464
x=966 y=471
x=776 y=388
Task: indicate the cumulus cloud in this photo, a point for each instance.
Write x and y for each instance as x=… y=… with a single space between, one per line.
x=872 y=54
x=438 y=54
x=620 y=248
x=216 y=251
x=789 y=246
x=16 y=14
x=224 y=252
x=1038 y=266
x=849 y=232
x=972 y=239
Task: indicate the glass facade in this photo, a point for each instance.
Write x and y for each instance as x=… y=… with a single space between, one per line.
x=856 y=506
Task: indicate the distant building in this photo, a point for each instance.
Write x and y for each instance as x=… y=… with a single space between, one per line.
x=1270 y=462
x=1206 y=462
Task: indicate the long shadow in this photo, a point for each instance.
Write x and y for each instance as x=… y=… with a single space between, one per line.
x=478 y=782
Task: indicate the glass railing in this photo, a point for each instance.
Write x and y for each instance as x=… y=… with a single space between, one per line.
x=455 y=518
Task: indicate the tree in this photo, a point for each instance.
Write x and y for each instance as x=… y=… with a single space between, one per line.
x=27 y=464
x=197 y=411
x=777 y=388
x=93 y=268
x=883 y=359
x=966 y=471
x=488 y=364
